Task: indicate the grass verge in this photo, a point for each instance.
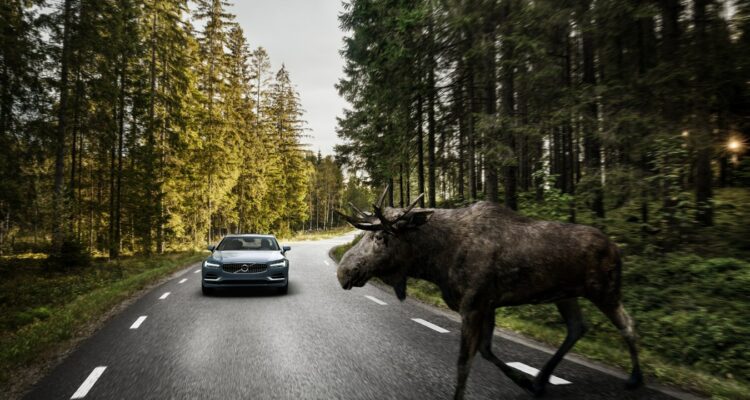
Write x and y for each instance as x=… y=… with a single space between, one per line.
x=687 y=328
x=46 y=312
x=317 y=235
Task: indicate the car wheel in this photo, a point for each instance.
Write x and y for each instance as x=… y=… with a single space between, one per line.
x=207 y=291
x=284 y=289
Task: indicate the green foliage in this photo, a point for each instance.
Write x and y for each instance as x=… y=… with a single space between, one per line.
x=555 y=206
x=690 y=310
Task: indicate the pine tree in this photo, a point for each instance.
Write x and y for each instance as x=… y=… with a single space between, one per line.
x=286 y=134
x=219 y=138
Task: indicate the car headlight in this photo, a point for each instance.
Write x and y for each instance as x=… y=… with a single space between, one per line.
x=211 y=265
x=278 y=264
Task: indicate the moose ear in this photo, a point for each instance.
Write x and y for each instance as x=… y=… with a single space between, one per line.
x=413 y=219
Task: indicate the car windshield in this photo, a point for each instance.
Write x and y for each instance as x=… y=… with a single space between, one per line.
x=248 y=243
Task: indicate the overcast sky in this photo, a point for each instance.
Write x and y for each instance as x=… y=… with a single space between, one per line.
x=305 y=36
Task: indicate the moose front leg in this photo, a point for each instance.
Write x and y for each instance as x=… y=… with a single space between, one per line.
x=471 y=327
x=485 y=348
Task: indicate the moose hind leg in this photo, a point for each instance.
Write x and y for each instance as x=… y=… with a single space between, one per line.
x=620 y=319
x=571 y=313
x=471 y=327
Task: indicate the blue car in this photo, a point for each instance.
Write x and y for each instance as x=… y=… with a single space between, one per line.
x=246 y=261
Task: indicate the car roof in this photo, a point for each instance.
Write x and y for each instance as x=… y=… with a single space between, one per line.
x=251 y=235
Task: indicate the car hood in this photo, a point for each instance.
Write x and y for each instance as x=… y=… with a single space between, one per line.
x=260 y=256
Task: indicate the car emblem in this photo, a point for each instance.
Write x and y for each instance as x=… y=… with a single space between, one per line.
x=244 y=268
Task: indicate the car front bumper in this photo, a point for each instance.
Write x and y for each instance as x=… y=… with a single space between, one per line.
x=271 y=277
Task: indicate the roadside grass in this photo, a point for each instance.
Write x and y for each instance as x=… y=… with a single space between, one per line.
x=43 y=311
x=338 y=251
x=317 y=235
x=690 y=309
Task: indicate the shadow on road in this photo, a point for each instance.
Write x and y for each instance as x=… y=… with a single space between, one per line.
x=254 y=292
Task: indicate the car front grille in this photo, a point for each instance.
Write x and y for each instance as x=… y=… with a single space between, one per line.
x=245 y=268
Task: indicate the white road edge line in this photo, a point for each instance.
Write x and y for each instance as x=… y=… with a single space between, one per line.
x=138 y=322
x=430 y=325
x=375 y=299
x=196 y=271
x=183 y=280
x=326 y=261
x=83 y=390
x=533 y=372
x=164 y=296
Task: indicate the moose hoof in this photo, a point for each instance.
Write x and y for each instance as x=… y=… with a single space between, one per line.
x=635 y=381
x=531 y=387
x=538 y=389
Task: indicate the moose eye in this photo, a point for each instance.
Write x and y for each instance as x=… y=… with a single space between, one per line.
x=381 y=237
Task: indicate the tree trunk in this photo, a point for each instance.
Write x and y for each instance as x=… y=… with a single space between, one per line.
x=431 y=137
x=121 y=135
x=151 y=138
x=510 y=170
x=420 y=151
x=471 y=122
x=490 y=111
x=461 y=117
x=112 y=248
x=390 y=192
x=703 y=174
x=431 y=120
x=74 y=147
x=58 y=207
x=591 y=142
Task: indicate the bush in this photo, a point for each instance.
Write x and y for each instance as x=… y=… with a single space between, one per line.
x=72 y=254
x=693 y=311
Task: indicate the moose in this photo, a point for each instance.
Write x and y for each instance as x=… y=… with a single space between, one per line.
x=487 y=256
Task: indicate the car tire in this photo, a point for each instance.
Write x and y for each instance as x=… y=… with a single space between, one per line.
x=284 y=289
x=207 y=291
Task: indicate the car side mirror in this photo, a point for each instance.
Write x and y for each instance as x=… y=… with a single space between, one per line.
x=211 y=248
x=284 y=249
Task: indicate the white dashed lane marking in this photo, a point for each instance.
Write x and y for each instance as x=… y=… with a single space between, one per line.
x=138 y=322
x=183 y=280
x=533 y=371
x=164 y=296
x=326 y=261
x=430 y=325
x=83 y=390
x=196 y=271
x=375 y=299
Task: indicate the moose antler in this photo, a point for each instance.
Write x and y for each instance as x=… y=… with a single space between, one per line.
x=377 y=221
x=363 y=220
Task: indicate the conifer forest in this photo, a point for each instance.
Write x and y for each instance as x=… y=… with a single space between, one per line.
x=600 y=101
x=143 y=125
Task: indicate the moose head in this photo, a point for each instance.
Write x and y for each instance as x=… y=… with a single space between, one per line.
x=386 y=249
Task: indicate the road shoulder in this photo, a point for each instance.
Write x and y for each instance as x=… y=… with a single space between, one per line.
x=24 y=378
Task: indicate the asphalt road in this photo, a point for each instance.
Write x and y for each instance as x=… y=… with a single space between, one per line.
x=316 y=342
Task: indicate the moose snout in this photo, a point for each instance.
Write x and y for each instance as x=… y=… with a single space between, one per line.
x=347 y=276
